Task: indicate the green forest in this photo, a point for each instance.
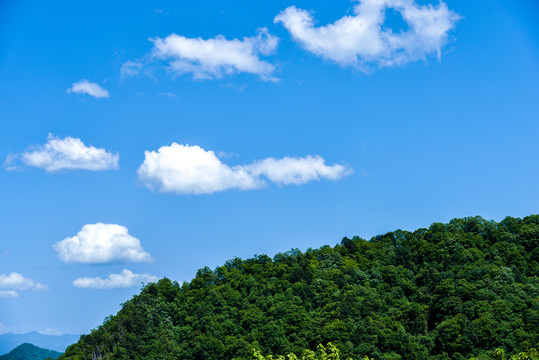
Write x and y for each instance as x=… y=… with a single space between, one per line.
x=462 y=290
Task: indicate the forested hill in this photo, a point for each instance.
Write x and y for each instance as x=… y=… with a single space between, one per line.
x=30 y=352
x=452 y=291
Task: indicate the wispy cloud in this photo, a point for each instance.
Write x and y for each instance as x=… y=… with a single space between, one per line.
x=4 y=329
x=210 y=58
x=124 y=279
x=296 y=171
x=131 y=68
x=11 y=284
x=86 y=87
x=49 y=331
x=362 y=39
x=8 y=293
x=101 y=243
x=65 y=154
x=10 y=164
x=167 y=94
x=186 y=169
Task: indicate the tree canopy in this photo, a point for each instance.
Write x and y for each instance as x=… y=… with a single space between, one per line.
x=452 y=291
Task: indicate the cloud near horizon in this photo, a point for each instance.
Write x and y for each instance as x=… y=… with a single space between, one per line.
x=124 y=279
x=362 y=39
x=210 y=58
x=86 y=87
x=65 y=154
x=192 y=170
x=101 y=243
x=12 y=283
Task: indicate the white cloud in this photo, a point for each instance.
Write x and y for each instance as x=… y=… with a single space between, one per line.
x=11 y=283
x=9 y=163
x=114 y=281
x=362 y=39
x=86 y=87
x=297 y=171
x=49 y=331
x=131 y=68
x=186 y=169
x=8 y=293
x=167 y=94
x=101 y=243
x=3 y=328
x=211 y=58
x=66 y=154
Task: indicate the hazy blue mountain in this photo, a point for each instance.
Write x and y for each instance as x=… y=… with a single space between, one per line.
x=10 y=341
x=30 y=352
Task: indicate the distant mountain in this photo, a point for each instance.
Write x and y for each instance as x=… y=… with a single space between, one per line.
x=30 y=352
x=10 y=341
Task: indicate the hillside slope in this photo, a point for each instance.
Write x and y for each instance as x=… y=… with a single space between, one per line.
x=451 y=291
x=30 y=352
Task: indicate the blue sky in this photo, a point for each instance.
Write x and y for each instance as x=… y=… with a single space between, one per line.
x=130 y=153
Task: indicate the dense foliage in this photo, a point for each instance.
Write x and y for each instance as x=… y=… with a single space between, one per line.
x=30 y=352
x=452 y=291
x=329 y=352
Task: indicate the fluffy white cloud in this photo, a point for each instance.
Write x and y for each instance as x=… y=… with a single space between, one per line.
x=86 y=87
x=186 y=169
x=67 y=154
x=101 y=243
x=11 y=283
x=211 y=58
x=362 y=39
x=16 y=281
x=114 y=281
